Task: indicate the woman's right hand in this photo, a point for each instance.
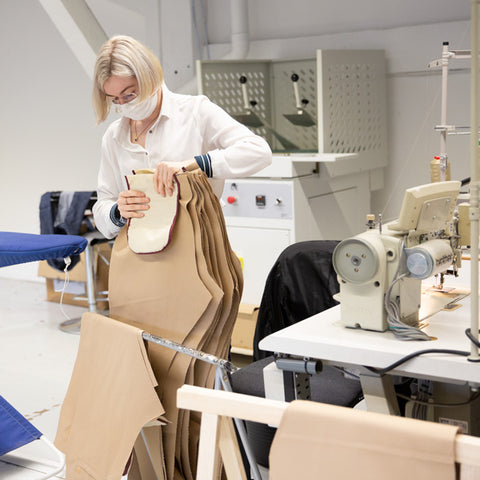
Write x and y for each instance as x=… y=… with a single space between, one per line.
x=131 y=203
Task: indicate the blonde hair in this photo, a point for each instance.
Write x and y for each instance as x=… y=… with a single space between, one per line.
x=124 y=56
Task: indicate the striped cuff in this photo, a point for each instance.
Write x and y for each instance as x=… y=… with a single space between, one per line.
x=205 y=163
x=115 y=216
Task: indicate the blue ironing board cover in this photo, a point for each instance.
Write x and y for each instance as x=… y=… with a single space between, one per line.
x=15 y=429
x=29 y=247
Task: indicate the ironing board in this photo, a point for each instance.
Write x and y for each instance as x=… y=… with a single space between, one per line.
x=15 y=248
x=18 y=248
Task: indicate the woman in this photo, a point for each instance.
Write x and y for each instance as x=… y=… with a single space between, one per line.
x=160 y=130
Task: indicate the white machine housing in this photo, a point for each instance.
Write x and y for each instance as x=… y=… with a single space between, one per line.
x=313 y=191
x=418 y=244
x=368 y=264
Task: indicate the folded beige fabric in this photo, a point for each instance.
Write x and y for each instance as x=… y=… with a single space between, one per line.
x=316 y=440
x=111 y=396
x=151 y=233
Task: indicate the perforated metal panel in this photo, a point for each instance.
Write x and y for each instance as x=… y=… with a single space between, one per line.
x=346 y=93
x=220 y=82
x=351 y=86
x=305 y=137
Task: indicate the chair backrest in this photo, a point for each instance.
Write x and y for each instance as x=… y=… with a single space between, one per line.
x=214 y=404
x=301 y=283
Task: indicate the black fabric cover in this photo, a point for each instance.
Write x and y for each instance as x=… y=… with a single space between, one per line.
x=300 y=284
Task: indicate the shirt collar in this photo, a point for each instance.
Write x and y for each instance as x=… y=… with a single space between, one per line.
x=167 y=107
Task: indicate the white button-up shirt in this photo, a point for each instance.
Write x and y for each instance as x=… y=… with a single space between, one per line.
x=186 y=127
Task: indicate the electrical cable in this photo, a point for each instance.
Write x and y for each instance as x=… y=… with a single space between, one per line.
x=472 y=398
x=67 y=261
x=469 y=334
x=382 y=371
x=399 y=328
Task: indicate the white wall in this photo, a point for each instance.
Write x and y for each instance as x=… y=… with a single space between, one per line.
x=49 y=137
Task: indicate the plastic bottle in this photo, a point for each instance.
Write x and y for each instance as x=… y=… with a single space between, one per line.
x=435 y=170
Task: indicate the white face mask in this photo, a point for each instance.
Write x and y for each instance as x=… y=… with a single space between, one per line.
x=138 y=110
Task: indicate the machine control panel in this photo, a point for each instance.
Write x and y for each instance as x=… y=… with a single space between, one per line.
x=258 y=198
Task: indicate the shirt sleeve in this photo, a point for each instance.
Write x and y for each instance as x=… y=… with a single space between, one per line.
x=107 y=193
x=231 y=149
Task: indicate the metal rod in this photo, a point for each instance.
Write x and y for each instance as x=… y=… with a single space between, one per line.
x=443 y=116
x=221 y=379
x=474 y=167
x=206 y=357
x=224 y=367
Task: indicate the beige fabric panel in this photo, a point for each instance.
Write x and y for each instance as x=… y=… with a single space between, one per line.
x=316 y=440
x=110 y=397
x=188 y=293
x=151 y=233
x=161 y=292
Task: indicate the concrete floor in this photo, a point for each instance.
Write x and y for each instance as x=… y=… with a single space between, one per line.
x=36 y=361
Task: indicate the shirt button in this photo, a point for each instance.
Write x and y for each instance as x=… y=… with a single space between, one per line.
x=146 y=153
x=151 y=131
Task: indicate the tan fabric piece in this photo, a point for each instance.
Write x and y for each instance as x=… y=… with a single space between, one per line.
x=316 y=440
x=188 y=293
x=151 y=233
x=161 y=293
x=111 y=396
x=149 y=453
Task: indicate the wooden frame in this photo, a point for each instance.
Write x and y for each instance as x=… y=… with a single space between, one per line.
x=219 y=442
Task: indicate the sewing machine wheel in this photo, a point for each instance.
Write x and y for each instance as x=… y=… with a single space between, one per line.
x=355 y=260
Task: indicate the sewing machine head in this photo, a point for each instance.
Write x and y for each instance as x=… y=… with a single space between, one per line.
x=380 y=271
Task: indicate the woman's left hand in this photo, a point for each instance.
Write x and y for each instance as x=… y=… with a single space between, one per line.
x=163 y=177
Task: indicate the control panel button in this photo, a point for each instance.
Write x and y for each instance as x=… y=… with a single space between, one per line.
x=231 y=200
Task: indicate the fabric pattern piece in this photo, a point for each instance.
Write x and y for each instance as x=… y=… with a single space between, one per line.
x=111 y=396
x=315 y=440
x=151 y=233
x=188 y=293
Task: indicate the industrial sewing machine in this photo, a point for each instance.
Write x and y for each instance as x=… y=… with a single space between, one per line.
x=380 y=271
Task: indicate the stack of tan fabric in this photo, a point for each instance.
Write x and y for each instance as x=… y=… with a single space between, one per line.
x=187 y=292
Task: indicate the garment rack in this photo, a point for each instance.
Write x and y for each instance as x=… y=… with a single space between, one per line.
x=224 y=369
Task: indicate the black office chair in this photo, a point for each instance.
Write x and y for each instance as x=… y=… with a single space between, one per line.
x=300 y=284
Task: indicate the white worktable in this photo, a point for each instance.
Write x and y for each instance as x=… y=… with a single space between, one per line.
x=323 y=337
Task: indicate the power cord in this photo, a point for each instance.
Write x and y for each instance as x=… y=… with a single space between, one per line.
x=67 y=261
x=469 y=334
x=399 y=328
x=382 y=371
x=472 y=398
